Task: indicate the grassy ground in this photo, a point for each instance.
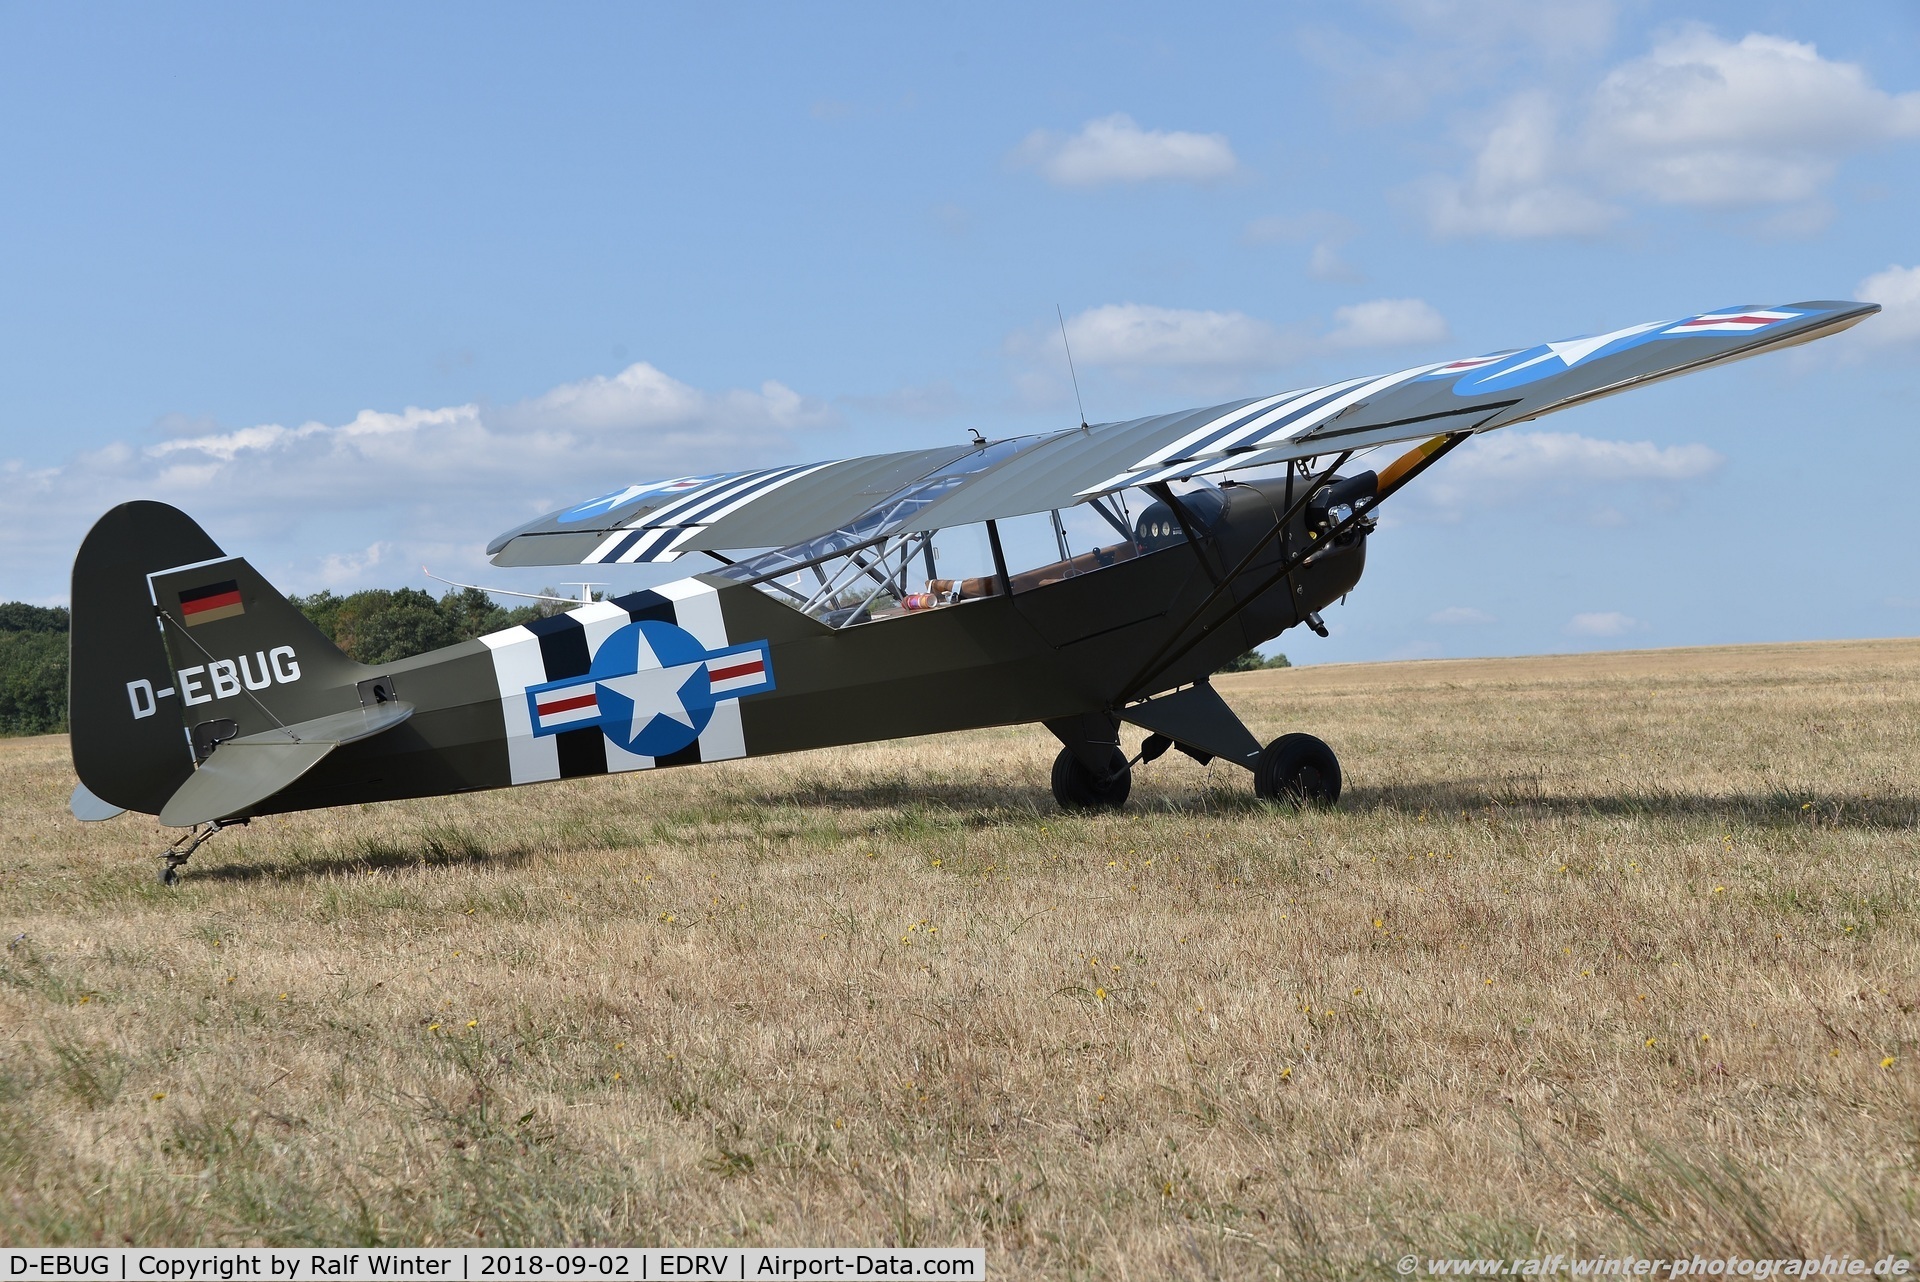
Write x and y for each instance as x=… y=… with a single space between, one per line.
x=1597 y=953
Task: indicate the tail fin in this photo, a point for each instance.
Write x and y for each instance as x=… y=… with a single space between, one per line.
x=175 y=647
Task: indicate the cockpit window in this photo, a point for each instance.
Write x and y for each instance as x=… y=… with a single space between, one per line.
x=866 y=571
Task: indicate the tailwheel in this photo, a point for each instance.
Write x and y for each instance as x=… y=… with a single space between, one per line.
x=1299 y=769
x=1076 y=787
x=182 y=850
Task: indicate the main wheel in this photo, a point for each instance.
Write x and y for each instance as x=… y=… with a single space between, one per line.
x=1077 y=788
x=1297 y=768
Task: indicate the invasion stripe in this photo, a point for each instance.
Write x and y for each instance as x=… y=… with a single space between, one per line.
x=664 y=543
x=677 y=512
x=747 y=489
x=660 y=531
x=1299 y=406
x=1334 y=407
x=614 y=544
x=727 y=508
x=1186 y=445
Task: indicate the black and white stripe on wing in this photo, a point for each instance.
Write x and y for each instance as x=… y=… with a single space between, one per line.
x=1290 y=421
x=659 y=534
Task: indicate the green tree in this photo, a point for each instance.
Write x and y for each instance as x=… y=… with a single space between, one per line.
x=18 y=616
x=1254 y=661
x=381 y=625
x=33 y=669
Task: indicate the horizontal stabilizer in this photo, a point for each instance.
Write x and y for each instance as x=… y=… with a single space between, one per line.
x=341 y=727
x=244 y=772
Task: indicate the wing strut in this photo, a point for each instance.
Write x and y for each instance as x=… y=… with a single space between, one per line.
x=1397 y=474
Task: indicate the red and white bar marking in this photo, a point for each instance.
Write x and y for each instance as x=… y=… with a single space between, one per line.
x=558 y=709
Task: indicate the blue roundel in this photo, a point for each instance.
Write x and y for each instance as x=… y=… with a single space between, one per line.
x=600 y=506
x=654 y=730
x=1513 y=370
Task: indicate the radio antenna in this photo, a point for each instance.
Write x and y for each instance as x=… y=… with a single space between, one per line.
x=1070 y=373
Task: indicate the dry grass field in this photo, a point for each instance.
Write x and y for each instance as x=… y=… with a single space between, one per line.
x=1602 y=953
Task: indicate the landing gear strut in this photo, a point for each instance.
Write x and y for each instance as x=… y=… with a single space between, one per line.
x=182 y=850
x=1299 y=769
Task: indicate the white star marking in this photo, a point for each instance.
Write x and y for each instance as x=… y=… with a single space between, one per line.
x=655 y=692
x=611 y=501
x=1572 y=351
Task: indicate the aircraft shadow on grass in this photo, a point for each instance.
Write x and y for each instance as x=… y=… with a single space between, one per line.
x=1769 y=809
x=985 y=806
x=977 y=805
x=431 y=852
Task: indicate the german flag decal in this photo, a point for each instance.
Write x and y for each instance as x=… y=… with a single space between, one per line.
x=215 y=601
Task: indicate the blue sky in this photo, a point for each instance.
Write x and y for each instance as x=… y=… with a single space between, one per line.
x=360 y=289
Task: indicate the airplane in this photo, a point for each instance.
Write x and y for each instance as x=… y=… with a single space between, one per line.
x=846 y=601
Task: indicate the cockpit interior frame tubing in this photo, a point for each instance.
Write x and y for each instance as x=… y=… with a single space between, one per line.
x=811 y=562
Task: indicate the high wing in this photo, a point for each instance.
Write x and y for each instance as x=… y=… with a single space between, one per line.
x=940 y=488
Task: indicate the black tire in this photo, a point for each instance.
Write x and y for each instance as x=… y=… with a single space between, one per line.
x=1077 y=788
x=1298 y=769
x=169 y=876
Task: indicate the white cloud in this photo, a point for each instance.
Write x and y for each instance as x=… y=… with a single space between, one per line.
x=1460 y=615
x=1897 y=290
x=1607 y=623
x=1518 y=185
x=939 y=399
x=1453 y=46
x=346 y=569
x=1329 y=230
x=1699 y=120
x=1138 y=334
x=1796 y=222
x=1115 y=149
x=408 y=484
x=1513 y=466
x=1388 y=322
x=1326 y=264
x=1538 y=458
